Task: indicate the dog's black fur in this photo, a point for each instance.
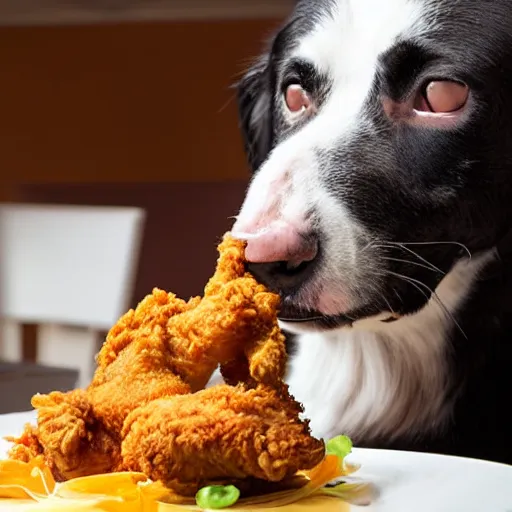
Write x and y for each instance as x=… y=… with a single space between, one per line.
x=406 y=183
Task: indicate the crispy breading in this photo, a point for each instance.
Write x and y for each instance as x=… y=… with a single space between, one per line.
x=220 y=433
x=146 y=408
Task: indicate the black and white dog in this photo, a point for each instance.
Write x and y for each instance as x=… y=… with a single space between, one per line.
x=380 y=136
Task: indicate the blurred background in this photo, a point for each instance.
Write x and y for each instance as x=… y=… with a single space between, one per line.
x=121 y=164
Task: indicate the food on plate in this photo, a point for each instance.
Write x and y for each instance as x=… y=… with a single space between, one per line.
x=32 y=487
x=147 y=409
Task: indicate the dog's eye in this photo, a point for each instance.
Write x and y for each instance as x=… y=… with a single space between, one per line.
x=296 y=99
x=442 y=96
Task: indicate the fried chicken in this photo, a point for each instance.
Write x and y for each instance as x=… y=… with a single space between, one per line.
x=221 y=433
x=146 y=408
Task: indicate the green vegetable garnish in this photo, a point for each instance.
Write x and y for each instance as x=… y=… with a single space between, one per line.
x=217 y=496
x=341 y=446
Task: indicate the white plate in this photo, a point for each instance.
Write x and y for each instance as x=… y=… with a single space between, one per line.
x=405 y=481
x=419 y=482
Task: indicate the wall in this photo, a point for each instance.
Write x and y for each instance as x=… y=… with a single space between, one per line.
x=135 y=114
x=131 y=102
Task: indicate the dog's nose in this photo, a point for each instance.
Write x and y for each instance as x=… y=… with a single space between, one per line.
x=280 y=256
x=280 y=241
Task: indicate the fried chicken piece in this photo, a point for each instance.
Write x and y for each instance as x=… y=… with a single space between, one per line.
x=83 y=437
x=155 y=361
x=221 y=433
x=235 y=319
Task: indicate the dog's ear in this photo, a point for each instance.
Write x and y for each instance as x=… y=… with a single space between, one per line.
x=255 y=111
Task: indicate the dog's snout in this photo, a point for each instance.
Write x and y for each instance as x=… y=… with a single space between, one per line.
x=280 y=256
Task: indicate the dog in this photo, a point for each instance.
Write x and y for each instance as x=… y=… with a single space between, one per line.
x=379 y=135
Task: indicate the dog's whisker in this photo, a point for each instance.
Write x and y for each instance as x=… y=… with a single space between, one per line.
x=416 y=264
x=227 y=103
x=388 y=304
x=462 y=246
x=416 y=283
x=418 y=287
x=367 y=246
x=421 y=258
x=397 y=295
x=391 y=245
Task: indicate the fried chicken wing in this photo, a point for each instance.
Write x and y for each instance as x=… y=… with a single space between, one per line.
x=221 y=433
x=146 y=408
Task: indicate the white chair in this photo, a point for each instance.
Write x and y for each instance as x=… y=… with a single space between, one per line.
x=70 y=270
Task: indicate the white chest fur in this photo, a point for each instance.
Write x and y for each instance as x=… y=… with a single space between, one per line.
x=383 y=379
